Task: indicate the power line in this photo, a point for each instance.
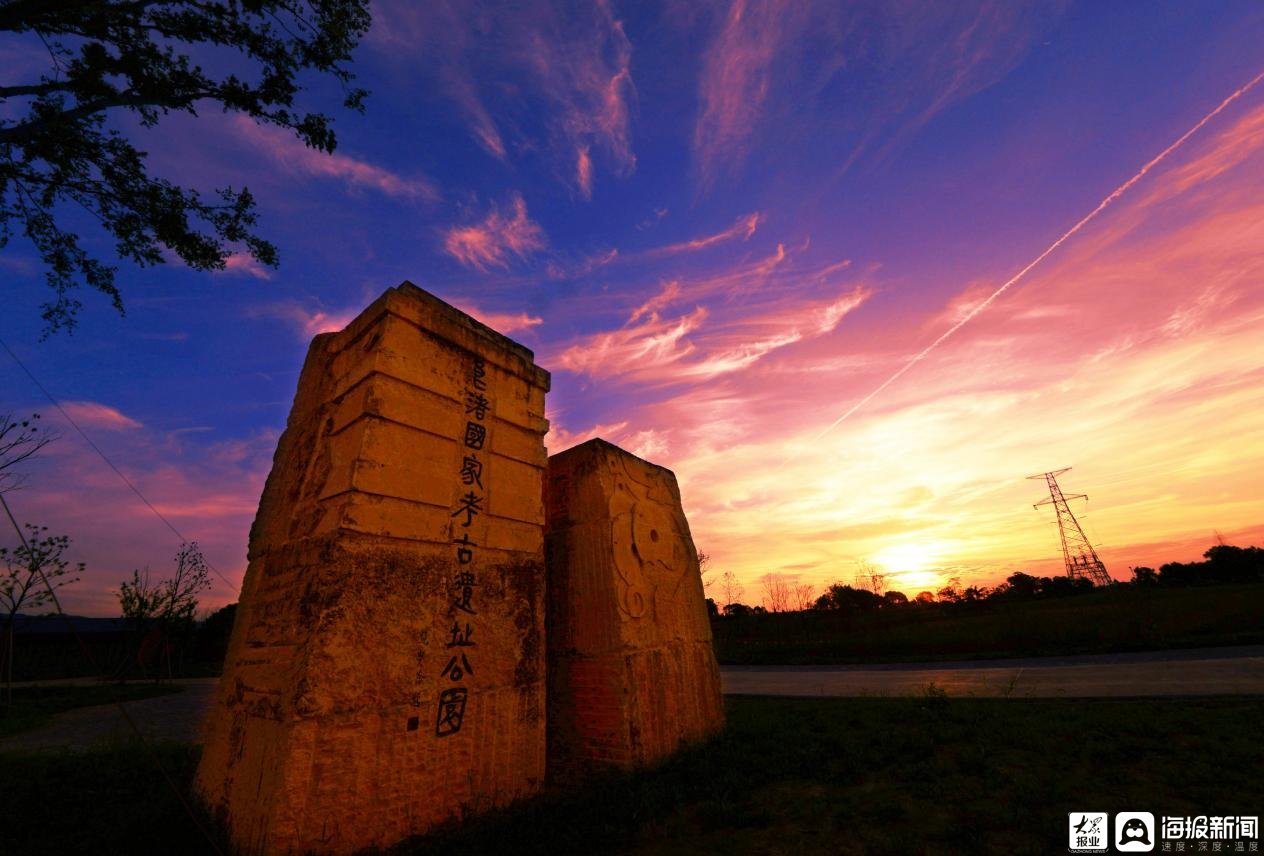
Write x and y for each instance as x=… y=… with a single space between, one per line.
x=1114 y=195
x=108 y=462
x=1078 y=553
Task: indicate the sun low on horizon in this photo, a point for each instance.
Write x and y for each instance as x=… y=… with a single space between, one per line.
x=853 y=273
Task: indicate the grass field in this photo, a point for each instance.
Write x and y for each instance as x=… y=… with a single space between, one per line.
x=1121 y=618
x=927 y=775
x=33 y=706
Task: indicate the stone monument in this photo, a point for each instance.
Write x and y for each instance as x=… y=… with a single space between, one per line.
x=632 y=673
x=387 y=667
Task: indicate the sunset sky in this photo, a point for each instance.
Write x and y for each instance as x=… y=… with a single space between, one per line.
x=722 y=226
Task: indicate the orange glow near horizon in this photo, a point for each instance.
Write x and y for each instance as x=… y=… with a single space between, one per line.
x=851 y=271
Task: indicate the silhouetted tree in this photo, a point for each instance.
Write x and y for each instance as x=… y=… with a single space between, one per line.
x=869 y=578
x=712 y=609
x=1022 y=586
x=20 y=438
x=1229 y=564
x=950 y=593
x=158 y=611
x=895 y=598
x=845 y=598
x=777 y=593
x=33 y=572
x=925 y=597
x=1144 y=577
x=736 y=610
x=730 y=587
x=137 y=57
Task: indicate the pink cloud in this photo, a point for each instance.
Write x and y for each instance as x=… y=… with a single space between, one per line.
x=91 y=414
x=501 y=322
x=1139 y=380
x=558 y=439
x=246 y=264
x=743 y=229
x=736 y=80
x=669 y=293
x=307 y=322
x=650 y=347
x=583 y=172
x=492 y=242
x=292 y=155
x=209 y=492
x=777 y=61
x=557 y=269
x=577 y=63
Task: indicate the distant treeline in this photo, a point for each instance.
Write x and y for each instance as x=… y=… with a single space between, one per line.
x=52 y=646
x=1223 y=564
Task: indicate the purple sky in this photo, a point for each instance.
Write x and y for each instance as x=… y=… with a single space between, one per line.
x=721 y=226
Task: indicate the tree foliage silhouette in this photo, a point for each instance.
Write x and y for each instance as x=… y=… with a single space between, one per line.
x=137 y=57
x=32 y=572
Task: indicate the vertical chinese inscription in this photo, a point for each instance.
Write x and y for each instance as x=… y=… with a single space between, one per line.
x=458 y=668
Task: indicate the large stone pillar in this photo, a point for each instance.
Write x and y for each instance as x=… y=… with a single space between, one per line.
x=632 y=672
x=386 y=670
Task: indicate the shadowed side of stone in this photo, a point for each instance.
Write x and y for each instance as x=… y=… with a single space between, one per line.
x=386 y=670
x=632 y=672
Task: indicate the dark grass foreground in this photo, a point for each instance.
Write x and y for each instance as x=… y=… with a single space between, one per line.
x=33 y=706
x=794 y=776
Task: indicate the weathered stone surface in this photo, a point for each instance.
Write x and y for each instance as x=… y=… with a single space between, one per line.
x=632 y=672
x=371 y=690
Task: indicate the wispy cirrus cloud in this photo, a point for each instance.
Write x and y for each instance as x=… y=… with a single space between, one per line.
x=737 y=78
x=1141 y=380
x=501 y=322
x=558 y=439
x=573 y=65
x=652 y=346
x=306 y=320
x=289 y=153
x=652 y=349
x=495 y=240
x=896 y=65
x=559 y=269
x=309 y=319
x=742 y=230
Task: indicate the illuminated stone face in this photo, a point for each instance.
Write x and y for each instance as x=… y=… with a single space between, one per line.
x=632 y=672
x=387 y=668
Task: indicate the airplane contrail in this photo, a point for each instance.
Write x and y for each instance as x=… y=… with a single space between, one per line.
x=1115 y=194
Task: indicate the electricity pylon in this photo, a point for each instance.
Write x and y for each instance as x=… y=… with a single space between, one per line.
x=1078 y=554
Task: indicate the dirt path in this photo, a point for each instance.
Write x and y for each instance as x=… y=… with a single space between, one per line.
x=1233 y=671
x=170 y=717
x=1238 y=671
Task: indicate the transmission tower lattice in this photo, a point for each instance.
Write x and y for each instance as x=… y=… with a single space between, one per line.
x=1081 y=559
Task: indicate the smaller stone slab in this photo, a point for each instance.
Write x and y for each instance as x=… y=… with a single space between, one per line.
x=632 y=675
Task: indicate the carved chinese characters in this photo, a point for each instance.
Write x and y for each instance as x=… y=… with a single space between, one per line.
x=387 y=667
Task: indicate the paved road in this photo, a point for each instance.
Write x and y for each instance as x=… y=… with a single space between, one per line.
x=169 y=717
x=1217 y=671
